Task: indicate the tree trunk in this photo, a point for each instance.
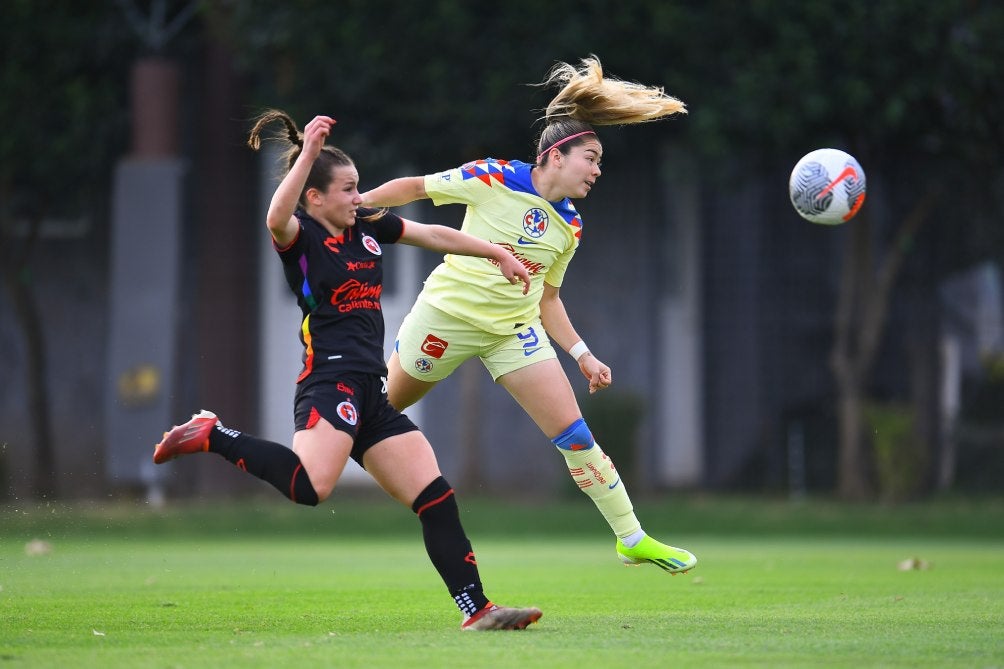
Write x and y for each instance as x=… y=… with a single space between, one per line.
x=845 y=359
x=16 y=280
x=862 y=311
x=852 y=482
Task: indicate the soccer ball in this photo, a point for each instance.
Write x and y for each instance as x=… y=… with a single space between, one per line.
x=827 y=186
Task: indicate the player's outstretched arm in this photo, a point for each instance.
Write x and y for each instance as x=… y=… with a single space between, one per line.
x=447 y=240
x=396 y=192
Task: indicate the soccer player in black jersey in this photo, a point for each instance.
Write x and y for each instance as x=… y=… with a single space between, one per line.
x=330 y=249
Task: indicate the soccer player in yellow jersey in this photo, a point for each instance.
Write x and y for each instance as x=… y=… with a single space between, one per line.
x=467 y=308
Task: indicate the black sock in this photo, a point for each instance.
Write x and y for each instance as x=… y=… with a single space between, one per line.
x=448 y=546
x=267 y=460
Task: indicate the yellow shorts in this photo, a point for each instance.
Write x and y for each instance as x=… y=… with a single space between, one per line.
x=431 y=344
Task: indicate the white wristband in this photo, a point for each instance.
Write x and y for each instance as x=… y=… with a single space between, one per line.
x=578 y=350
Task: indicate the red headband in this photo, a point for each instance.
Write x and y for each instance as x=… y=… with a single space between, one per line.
x=562 y=141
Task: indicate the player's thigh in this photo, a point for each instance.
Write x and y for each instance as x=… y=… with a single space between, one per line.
x=543 y=390
x=431 y=344
x=403 y=389
x=323 y=450
x=404 y=465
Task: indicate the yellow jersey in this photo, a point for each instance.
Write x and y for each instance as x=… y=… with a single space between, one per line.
x=504 y=208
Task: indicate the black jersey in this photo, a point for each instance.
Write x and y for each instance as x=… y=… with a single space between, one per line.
x=337 y=282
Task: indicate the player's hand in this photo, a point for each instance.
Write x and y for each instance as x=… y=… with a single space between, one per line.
x=314 y=135
x=593 y=369
x=514 y=271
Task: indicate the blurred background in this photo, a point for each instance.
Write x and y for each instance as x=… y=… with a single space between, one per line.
x=752 y=350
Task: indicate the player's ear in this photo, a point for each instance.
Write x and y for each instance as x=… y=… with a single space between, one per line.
x=313 y=196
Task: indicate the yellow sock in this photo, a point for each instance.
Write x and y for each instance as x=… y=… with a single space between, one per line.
x=596 y=476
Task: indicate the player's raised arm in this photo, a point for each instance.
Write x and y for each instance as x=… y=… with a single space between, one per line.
x=279 y=219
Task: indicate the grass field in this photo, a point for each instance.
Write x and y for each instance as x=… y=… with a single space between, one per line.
x=260 y=584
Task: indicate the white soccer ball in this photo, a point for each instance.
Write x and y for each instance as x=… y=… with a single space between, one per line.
x=827 y=186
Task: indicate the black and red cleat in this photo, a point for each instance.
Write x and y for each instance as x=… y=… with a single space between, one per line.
x=494 y=617
x=191 y=437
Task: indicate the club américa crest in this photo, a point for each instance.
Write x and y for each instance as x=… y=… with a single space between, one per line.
x=535 y=223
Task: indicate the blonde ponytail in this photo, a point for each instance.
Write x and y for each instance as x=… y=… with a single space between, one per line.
x=587 y=95
x=588 y=98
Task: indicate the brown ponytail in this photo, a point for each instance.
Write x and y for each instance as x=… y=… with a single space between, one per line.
x=321 y=173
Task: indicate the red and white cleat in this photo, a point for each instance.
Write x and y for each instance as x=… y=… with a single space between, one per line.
x=191 y=437
x=494 y=617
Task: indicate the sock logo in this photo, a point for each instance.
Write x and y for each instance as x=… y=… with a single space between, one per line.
x=227 y=431
x=465 y=603
x=596 y=472
x=241 y=465
x=469 y=558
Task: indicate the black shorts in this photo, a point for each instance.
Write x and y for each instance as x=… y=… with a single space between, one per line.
x=355 y=403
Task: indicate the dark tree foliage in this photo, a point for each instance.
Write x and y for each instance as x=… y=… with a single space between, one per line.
x=912 y=88
x=64 y=79
x=431 y=83
x=63 y=105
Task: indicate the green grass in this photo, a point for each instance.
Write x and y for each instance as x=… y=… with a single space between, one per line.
x=349 y=585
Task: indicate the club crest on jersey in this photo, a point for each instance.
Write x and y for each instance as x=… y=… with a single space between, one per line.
x=347 y=412
x=535 y=223
x=372 y=246
x=423 y=365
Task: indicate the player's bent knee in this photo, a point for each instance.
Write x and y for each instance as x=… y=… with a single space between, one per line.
x=576 y=437
x=311 y=487
x=322 y=492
